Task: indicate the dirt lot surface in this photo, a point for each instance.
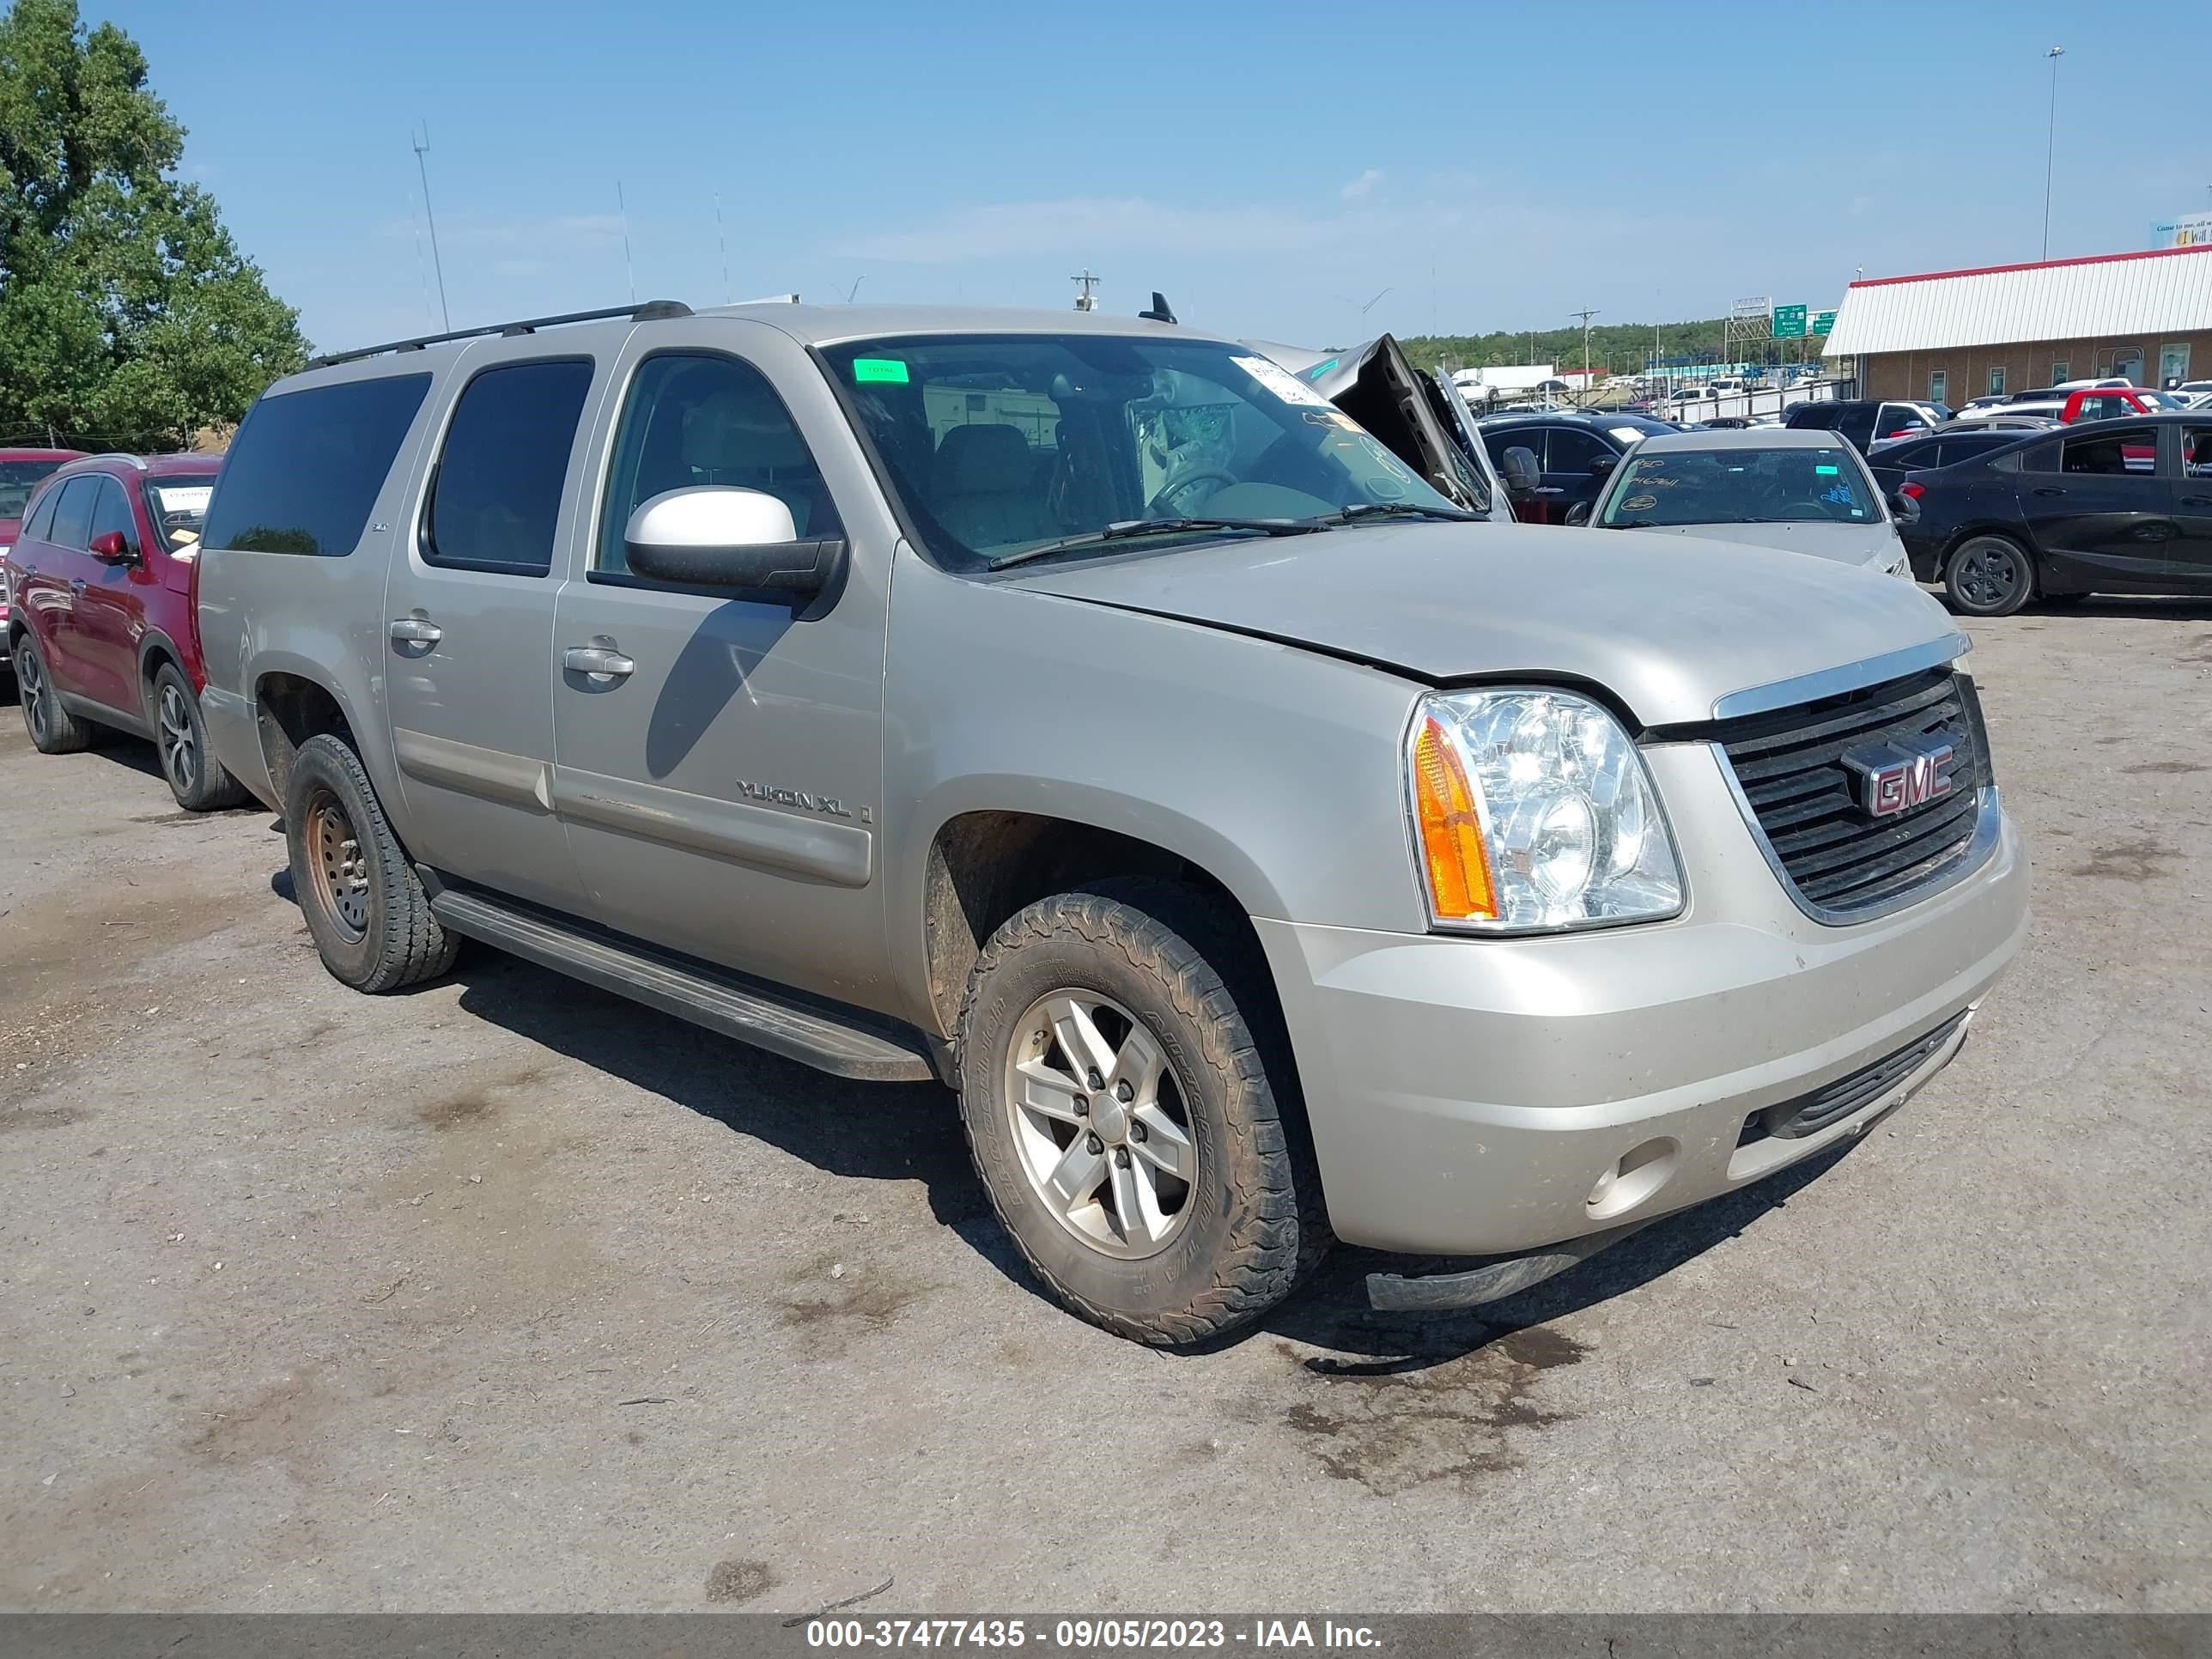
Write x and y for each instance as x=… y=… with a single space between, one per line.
x=507 y=1294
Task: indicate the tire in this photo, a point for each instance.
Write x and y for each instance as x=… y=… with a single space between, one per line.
x=365 y=905
x=1989 y=577
x=1214 y=1246
x=194 y=776
x=53 y=729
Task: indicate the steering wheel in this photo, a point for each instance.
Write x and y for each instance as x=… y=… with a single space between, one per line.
x=1803 y=510
x=1162 y=501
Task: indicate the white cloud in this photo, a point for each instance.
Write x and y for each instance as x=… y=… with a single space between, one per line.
x=1364 y=186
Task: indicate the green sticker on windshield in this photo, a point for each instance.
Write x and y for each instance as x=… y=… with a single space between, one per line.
x=888 y=370
x=1824 y=471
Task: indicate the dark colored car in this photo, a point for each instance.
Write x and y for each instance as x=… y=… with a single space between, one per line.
x=1944 y=445
x=21 y=471
x=1575 y=454
x=1866 y=422
x=104 y=577
x=2115 y=507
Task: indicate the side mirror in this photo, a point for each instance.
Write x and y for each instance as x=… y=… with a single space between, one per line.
x=1903 y=507
x=1518 y=468
x=109 y=548
x=715 y=535
x=1603 y=464
x=1579 y=512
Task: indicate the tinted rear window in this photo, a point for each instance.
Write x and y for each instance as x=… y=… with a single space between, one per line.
x=306 y=468
x=497 y=498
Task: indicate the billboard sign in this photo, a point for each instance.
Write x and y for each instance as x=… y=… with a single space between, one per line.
x=2189 y=230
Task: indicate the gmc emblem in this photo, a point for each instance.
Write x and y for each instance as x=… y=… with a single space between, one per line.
x=1896 y=776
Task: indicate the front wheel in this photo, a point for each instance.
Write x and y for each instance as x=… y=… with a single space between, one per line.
x=196 y=777
x=1989 y=577
x=1127 y=1116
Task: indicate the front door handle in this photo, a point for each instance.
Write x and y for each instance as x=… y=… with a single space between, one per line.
x=416 y=630
x=2049 y=489
x=2196 y=501
x=77 y=585
x=599 y=662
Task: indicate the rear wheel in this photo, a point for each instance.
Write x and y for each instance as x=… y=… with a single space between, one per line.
x=1125 y=1115
x=1989 y=577
x=196 y=777
x=53 y=729
x=365 y=906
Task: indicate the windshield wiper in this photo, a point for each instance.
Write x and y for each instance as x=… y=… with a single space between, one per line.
x=1132 y=527
x=1359 y=510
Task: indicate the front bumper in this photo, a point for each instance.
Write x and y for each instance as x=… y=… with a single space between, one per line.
x=1469 y=1097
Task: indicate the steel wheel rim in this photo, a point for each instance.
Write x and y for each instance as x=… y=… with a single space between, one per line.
x=179 y=754
x=1101 y=1124
x=1989 y=573
x=337 y=867
x=31 y=687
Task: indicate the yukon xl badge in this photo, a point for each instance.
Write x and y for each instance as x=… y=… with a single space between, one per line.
x=801 y=800
x=1896 y=776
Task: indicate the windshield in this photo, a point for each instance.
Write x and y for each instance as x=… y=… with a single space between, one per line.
x=999 y=445
x=18 y=480
x=1739 y=486
x=178 y=504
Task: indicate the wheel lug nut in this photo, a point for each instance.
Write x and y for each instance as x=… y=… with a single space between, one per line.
x=1095 y=1080
x=1094 y=1143
x=1123 y=1092
x=1137 y=1131
x=1083 y=1108
x=1121 y=1156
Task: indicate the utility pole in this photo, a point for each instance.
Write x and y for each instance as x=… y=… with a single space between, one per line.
x=1085 y=299
x=854 y=292
x=2050 y=144
x=1585 y=314
x=422 y=167
x=622 y=209
x=723 y=241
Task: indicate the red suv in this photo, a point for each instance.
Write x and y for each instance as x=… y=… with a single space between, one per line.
x=21 y=471
x=104 y=576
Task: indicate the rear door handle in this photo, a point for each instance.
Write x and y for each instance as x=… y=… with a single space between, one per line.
x=416 y=630
x=2196 y=501
x=600 y=662
x=2049 y=489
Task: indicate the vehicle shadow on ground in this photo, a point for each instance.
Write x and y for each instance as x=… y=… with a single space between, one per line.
x=2129 y=607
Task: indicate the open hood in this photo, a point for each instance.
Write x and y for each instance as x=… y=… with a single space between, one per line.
x=1421 y=419
x=1669 y=630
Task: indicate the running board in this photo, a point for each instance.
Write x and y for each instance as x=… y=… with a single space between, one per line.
x=814 y=1038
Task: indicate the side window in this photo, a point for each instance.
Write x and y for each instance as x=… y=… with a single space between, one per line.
x=2196 y=452
x=496 y=498
x=694 y=419
x=41 y=526
x=2105 y=452
x=111 y=510
x=1939 y=386
x=1996 y=379
x=307 y=466
x=1498 y=442
x=73 y=518
x=1570 y=450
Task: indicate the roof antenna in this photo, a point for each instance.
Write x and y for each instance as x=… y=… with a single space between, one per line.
x=1159 y=313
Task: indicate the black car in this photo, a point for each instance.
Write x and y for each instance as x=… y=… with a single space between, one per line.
x=1866 y=422
x=1944 y=445
x=2120 y=506
x=1574 y=452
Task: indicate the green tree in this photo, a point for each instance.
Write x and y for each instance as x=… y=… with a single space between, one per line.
x=127 y=314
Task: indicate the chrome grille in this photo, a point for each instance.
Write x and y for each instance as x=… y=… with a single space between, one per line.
x=1844 y=863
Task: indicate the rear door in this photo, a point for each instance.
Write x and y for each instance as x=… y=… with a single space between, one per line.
x=51 y=570
x=2095 y=519
x=469 y=610
x=2192 y=550
x=1570 y=457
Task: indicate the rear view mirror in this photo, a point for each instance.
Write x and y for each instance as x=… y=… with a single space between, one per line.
x=109 y=548
x=1518 y=468
x=720 y=537
x=1579 y=512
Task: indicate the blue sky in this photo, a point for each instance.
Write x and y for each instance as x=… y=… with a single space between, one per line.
x=1271 y=167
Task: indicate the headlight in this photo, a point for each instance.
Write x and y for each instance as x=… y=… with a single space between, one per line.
x=1531 y=812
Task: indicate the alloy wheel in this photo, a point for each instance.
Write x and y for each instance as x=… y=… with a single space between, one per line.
x=179 y=753
x=1101 y=1124
x=338 y=866
x=31 y=690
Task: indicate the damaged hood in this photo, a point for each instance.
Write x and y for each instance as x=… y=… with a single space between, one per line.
x=1669 y=635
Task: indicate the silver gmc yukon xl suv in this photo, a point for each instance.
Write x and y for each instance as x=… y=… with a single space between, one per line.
x=1087 y=714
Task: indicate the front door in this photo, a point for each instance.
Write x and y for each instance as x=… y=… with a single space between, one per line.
x=2096 y=517
x=468 y=625
x=2192 y=550
x=720 y=760
x=110 y=611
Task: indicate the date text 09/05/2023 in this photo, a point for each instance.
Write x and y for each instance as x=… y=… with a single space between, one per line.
x=1087 y=1634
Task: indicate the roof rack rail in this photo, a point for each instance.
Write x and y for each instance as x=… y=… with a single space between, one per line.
x=651 y=311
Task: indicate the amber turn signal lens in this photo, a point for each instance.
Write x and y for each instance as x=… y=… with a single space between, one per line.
x=1451 y=831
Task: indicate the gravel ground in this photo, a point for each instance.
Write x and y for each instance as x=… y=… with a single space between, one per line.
x=508 y=1294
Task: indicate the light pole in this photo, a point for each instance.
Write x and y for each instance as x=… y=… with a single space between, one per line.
x=2050 y=144
x=422 y=149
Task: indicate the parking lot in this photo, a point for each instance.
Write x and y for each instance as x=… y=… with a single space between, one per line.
x=506 y=1293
